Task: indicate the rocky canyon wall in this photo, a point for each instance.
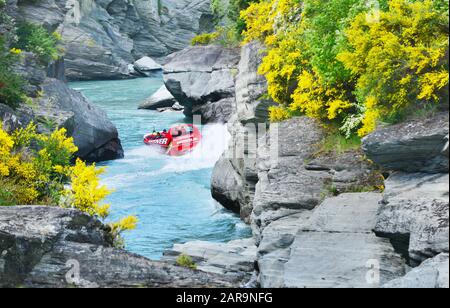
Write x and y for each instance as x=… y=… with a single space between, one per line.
x=102 y=37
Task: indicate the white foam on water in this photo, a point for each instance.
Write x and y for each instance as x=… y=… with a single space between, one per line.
x=215 y=139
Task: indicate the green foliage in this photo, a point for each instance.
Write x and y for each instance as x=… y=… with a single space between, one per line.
x=186 y=261
x=37 y=39
x=336 y=143
x=11 y=84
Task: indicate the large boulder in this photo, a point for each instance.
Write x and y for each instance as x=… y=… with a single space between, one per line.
x=160 y=99
x=432 y=274
x=415 y=214
x=413 y=146
x=201 y=79
x=54 y=247
x=333 y=246
x=94 y=134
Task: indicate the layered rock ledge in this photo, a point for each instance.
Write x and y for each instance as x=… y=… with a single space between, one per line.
x=47 y=247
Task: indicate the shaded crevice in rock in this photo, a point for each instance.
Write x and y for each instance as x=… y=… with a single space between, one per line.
x=400 y=242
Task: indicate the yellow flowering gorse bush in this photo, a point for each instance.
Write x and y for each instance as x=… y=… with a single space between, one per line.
x=399 y=60
x=348 y=64
x=46 y=176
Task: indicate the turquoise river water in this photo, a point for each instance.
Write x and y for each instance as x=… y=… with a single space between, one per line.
x=170 y=196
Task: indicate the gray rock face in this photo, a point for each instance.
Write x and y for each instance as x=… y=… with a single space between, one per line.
x=201 y=79
x=9 y=119
x=431 y=274
x=297 y=179
x=415 y=214
x=332 y=246
x=227 y=185
x=416 y=146
x=251 y=86
x=101 y=37
x=32 y=70
x=54 y=247
x=160 y=99
x=235 y=175
x=274 y=249
x=94 y=134
x=235 y=259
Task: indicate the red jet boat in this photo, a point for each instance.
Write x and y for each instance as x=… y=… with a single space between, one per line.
x=179 y=140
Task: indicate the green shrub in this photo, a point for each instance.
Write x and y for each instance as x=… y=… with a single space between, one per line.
x=186 y=261
x=11 y=84
x=335 y=142
x=38 y=40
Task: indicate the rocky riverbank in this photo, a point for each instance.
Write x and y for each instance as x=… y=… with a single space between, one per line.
x=314 y=223
x=50 y=103
x=48 y=247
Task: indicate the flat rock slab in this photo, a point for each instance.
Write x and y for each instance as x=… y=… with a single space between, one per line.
x=160 y=99
x=274 y=248
x=351 y=213
x=331 y=246
x=235 y=258
x=146 y=64
x=340 y=260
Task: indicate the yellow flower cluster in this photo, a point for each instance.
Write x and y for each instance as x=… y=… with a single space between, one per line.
x=6 y=145
x=268 y=18
x=16 y=51
x=85 y=191
x=278 y=114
